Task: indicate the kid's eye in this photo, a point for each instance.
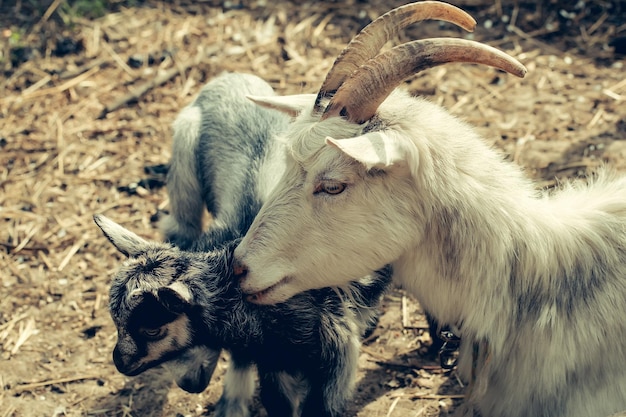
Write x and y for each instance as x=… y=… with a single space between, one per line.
x=153 y=333
x=330 y=187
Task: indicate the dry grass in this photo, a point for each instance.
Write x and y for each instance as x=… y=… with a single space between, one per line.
x=75 y=129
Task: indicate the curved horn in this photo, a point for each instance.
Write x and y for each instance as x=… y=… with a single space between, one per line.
x=359 y=97
x=367 y=43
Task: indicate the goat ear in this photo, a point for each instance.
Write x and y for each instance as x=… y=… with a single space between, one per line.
x=123 y=239
x=291 y=105
x=174 y=297
x=374 y=150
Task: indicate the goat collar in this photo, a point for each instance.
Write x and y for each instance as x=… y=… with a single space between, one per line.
x=448 y=355
x=449 y=350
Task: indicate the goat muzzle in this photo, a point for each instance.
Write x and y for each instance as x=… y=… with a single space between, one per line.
x=239 y=270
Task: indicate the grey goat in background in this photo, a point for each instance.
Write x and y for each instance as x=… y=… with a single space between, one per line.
x=225 y=159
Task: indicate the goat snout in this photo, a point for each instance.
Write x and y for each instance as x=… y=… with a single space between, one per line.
x=128 y=364
x=240 y=270
x=122 y=364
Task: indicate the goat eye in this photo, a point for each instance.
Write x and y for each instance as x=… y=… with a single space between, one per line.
x=153 y=333
x=330 y=187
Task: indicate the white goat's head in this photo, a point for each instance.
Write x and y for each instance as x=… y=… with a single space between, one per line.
x=356 y=189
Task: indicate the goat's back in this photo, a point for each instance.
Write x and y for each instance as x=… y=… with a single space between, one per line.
x=228 y=139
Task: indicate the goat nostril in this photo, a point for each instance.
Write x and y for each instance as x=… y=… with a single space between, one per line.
x=240 y=270
x=118 y=360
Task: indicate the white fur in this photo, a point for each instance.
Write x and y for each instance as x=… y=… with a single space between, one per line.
x=293 y=388
x=239 y=387
x=536 y=282
x=273 y=163
x=183 y=177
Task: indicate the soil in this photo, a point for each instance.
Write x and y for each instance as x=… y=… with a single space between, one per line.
x=86 y=104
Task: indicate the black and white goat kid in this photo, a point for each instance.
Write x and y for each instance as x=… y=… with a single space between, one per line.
x=165 y=301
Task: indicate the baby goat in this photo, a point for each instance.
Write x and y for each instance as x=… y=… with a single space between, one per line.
x=535 y=282
x=165 y=301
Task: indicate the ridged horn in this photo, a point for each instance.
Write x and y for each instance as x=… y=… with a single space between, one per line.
x=368 y=42
x=359 y=96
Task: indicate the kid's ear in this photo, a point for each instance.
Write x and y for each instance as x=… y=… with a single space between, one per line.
x=290 y=105
x=123 y=239
x=176 y=297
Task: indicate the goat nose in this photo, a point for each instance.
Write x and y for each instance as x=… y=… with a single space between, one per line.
x=118 y=360
x=239 y=270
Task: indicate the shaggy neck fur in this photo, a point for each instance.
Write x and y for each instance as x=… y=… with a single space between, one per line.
x=528 y=274
x=223 y=314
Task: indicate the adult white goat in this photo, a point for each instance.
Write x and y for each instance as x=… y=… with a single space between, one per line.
x=535 y=282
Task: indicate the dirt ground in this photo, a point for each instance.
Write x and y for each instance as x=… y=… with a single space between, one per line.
x=87 y=102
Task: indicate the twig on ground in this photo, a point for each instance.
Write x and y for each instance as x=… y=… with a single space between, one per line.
x=392 y=406
x=65 y=75
x=9 y=412
x=33 y=93
x=530 y=37
x=33 y=248
x=48 y=382
x=430 y=368
x=437 y=397
x=53 y=7
x=405 y=315
x=143 y=89
x=73 y=250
